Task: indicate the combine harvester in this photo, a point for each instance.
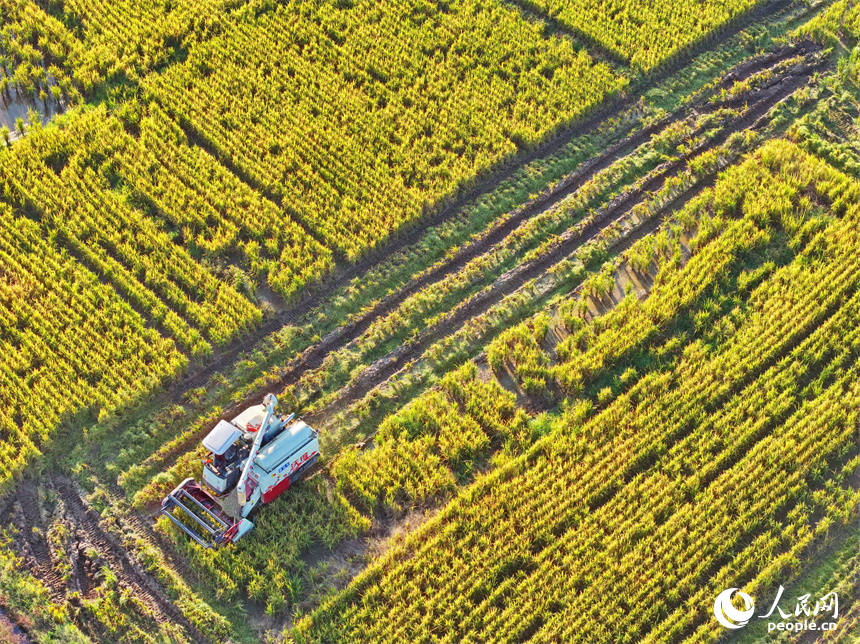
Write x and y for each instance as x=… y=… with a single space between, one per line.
x=260 y=455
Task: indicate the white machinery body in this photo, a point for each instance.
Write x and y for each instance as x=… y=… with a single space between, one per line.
x=276 y=464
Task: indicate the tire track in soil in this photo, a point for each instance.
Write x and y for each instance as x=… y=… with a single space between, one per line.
x=39 y=557
x=84 y=573
x=572 y=240
x=313 y=357
x=180 y=564
x=612 y=108
x=148 y=591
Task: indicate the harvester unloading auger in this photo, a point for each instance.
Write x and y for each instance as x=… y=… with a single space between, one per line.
x=260 y=455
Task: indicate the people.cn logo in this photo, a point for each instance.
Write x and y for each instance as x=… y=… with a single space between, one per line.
x=727 y=614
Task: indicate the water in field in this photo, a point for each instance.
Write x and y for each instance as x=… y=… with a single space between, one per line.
x=21 y=106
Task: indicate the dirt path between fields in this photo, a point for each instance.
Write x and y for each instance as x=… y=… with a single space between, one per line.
x=10 y=632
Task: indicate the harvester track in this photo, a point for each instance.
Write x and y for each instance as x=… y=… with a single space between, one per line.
x=26 y=513
x=128 y=572
x=146 y=530
x=32 y=530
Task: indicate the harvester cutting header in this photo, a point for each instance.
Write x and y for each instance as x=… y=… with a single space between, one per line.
x=257 y=453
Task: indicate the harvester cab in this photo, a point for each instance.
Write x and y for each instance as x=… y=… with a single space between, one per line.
x=229 y=444
x=257 y=453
